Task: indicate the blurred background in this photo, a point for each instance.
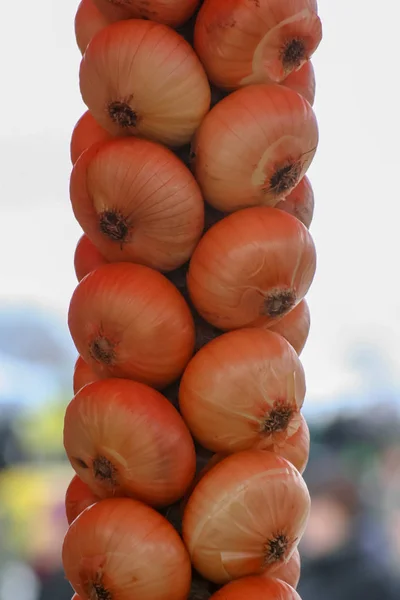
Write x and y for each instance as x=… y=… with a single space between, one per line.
x=352 y=546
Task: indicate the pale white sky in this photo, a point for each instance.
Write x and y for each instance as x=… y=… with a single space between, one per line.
x=356 y=291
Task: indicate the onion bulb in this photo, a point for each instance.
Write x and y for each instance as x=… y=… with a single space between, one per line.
x=77 y=498
x=241 y=42
x=246 y=516
x=86 y=258
x=86 y=133
x=137 y=202
x=120 y=549
x=296 y=447
x=303 y=82
x=295 y=326
x=254 y=147
x=125 y=438
x=300 y=202
x=142 y=78
x=251 y=268
x=88 y=21
x=127 y=320
x=244 y=389
x=76 y=597
x=83 y=374
x=290 y=572
x=169 y=12
x=256 y=588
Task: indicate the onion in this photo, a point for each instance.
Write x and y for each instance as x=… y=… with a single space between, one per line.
x=122 y=549
x=142 y=78
x=88 y=21
x=86 y=258
x=137 y=202
x=129 y=321
x=124 y=438
x=256 y=588
x=254 y=147
x=295 y=326
x=296 y=448
x=300 y=202
x=241 y=42
x=169 y=12
x=290 y=572
x=245 y=516
x=303 y=82
x=244 y=389
x=83 y=374
x=251 y=268
x=77 y=498
x=86 y=133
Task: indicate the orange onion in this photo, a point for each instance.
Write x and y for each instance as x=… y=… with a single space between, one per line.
x=246 y=516
x=254 y=147
x=251 y=268
x=295 y=326
x=137 y=202
x=241 y=42
x=243 y=389
x=303 y=82
x=87 y=257
x=290 y=572
x=125 y=438
x=76 y=597
x=83 y=374
x=127 y=320
x=86 y=133
x=88 y=21
x=142 y=78
x=256 y=588
x=122 y=549
x=169 y=12
x=300 y=202
x=77 y=498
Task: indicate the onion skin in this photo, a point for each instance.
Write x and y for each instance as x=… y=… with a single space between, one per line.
x=129 y=321
x=127 y=549
x=86 y=258
x=251 y=268
x=247 y=507
x=290 y=572
x=242 y=42
x=303 y=82
x=254 y=147
x=296 y=448
x=83 y=375
x=167 y=107
x=169 y=12
x=86 y=133
x=256 y=588
x=125 y=439
x=300 y=202
x=295 y=326
x=88 y=21
x=244 y=389
x=137 y=202
x=77 y=498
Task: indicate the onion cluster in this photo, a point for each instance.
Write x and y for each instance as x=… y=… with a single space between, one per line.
x=189 y=183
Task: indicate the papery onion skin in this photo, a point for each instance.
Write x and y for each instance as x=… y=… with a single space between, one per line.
x=86 y=133
x=137 y=202
x=83 y=374
x=303 y=82
x=295 y=326
x=129 y=321
x=125 y=439
x=256 y=588
x=246 y=516
x=167 y=107
x=296 y=448
x=169 y=12
x=290 y=572
x=242 y=42
x=124 y=548
x=241 y=390
x=86 y=257
x=254 y=147
x=77 y=498
x=88 y=21
x=251 y=268
x=300 y=202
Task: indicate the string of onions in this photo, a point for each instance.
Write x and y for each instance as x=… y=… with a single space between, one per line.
x=254 y=147
x=169 y=12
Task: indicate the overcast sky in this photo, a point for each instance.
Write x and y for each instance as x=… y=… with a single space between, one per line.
x=355 y=296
